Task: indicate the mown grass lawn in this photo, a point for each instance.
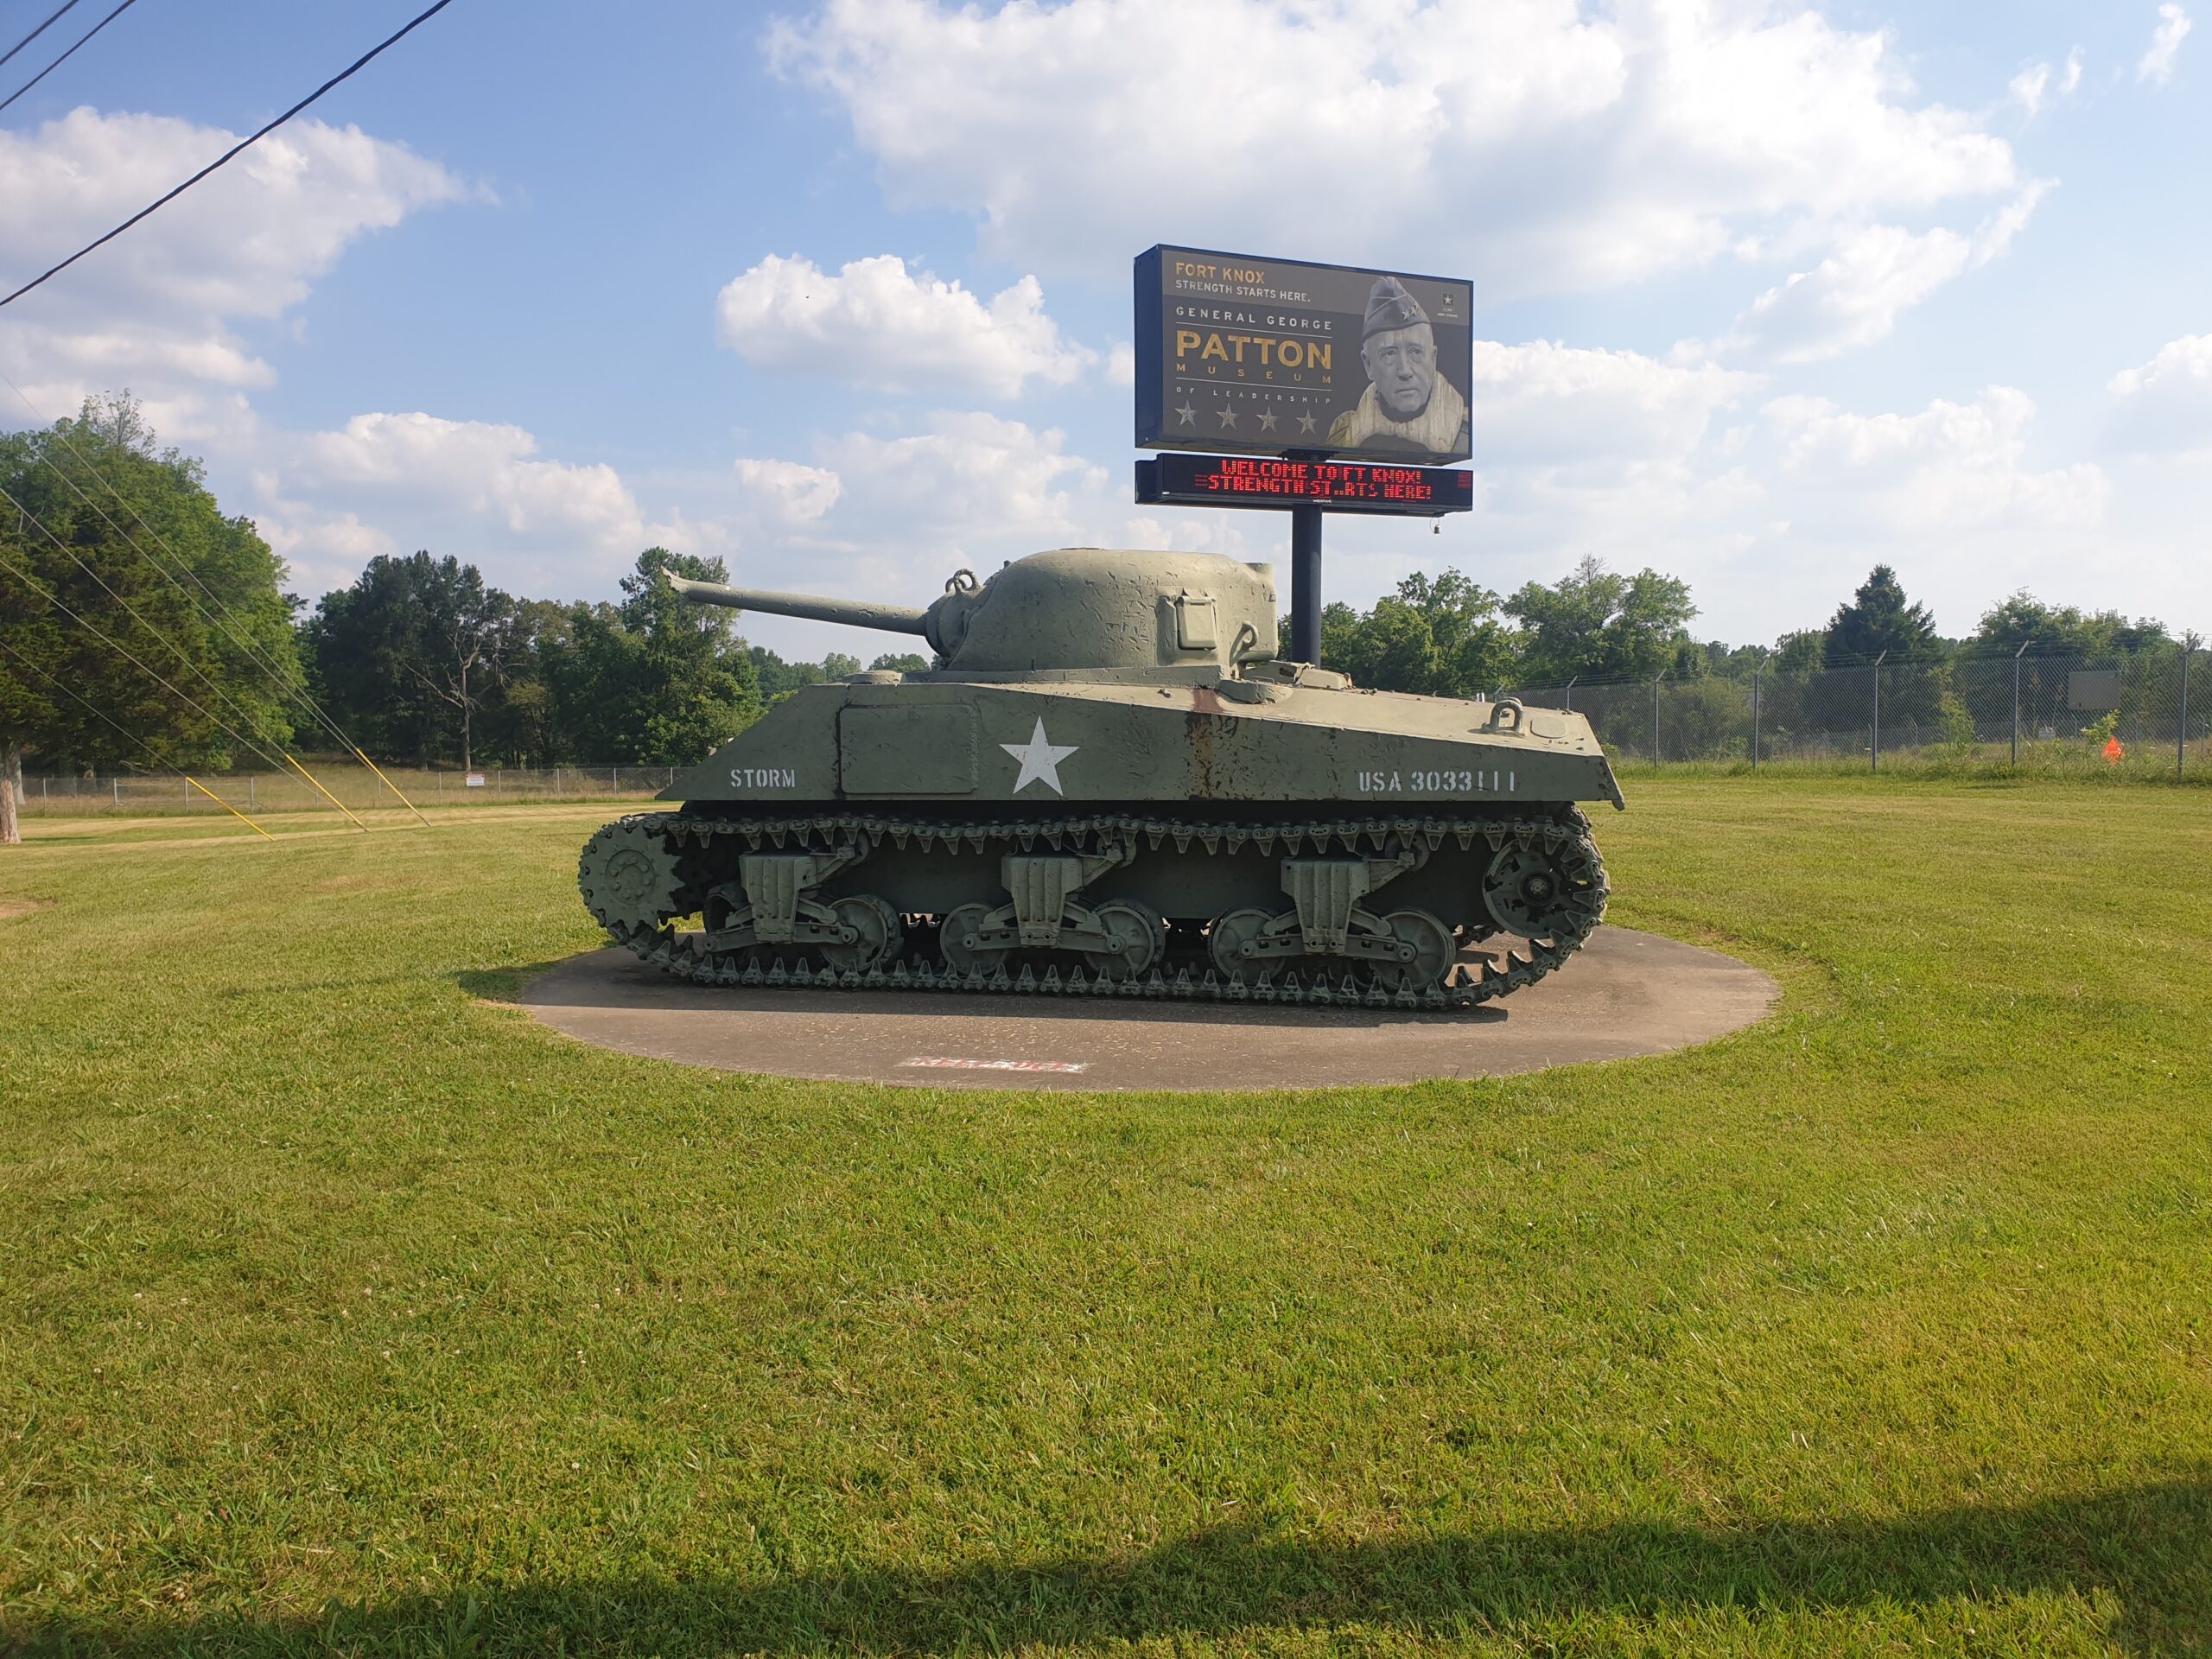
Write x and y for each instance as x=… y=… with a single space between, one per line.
x=342 y=1308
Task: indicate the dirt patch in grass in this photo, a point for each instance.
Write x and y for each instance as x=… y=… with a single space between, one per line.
x=11 y=908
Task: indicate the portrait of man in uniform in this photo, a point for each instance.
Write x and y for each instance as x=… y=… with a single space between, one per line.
x=1408 y=405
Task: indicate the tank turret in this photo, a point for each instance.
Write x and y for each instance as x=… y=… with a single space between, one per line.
x=1106 y=785
x=1173 y=616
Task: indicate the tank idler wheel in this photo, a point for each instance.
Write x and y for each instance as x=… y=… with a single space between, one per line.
x=1434 y=950
x=1229 y=936
x=876 y=934
x=1138 y=932
x=962 y=924
x=1532 y=893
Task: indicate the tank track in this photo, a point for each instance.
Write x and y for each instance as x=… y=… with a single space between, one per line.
x=683 y=953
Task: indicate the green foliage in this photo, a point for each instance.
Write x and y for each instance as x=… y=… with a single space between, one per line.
x=2023 y=620
x=655 y=679
x=902 y=662
x=1877 y=619
x=1597 y=625
x=408 y=657
x=195 y=598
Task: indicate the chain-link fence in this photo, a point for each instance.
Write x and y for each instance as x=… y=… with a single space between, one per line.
x=2137 y=714
x=329 y=784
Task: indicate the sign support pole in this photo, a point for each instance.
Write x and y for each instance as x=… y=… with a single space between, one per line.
x=1305 y=584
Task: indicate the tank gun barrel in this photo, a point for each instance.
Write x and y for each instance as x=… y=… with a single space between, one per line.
x=891 y=618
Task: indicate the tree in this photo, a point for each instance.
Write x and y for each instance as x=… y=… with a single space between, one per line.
x=2022 y=619
x=1879 y=618
x=1597 y=625
x=184 y=595
x=655 y=678
x=903 y=662
x=410 y=654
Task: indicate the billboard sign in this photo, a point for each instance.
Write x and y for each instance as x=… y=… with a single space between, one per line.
x=1272 y=356
x=1332 y=485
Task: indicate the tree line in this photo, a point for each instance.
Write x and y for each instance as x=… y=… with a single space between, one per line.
x=141 y=626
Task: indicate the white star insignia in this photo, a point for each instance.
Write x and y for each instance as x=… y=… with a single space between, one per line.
x=1040 y=760
x=1267 y=419
x=1188 y=416
x=1305 y=422
x=1228 y=416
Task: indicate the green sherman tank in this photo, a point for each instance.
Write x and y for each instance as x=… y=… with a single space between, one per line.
x=1107 y=785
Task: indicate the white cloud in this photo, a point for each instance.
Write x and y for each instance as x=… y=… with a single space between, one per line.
x=154 y=311
x=2027 y=88
x=875 y=324
x=1562 y=407
x=415 y=479
x=971 y=480
x=1948 y=468
x=2031 y=89
x=1854 y=296
x=1577 y=149
x=788 y=491
x=2164 y=407
x=2157 y=62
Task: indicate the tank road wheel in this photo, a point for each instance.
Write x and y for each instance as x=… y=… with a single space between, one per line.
x=1434 y=949
x=960 y=923
x=1229 y=934
x=1543 y=895
x=628 y=877
x=876 y=934
x=1137 y=931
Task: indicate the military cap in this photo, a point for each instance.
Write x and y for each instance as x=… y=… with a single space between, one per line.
x=1390 y=307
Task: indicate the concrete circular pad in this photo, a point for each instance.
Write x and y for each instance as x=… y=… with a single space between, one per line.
x=1624 y=993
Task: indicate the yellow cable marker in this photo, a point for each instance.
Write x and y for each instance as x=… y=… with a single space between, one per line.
x=394 y=788
x=228 y=808
x=327 y=795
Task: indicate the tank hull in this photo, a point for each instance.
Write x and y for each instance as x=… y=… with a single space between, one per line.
x=1031 y=744
x=1276 y=840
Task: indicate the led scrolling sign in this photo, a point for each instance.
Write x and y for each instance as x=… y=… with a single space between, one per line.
x=1333 y=485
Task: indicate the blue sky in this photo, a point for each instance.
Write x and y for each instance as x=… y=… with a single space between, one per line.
x=1766 y=293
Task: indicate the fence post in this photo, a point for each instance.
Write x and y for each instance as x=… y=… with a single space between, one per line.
x=1874 y=749
x=1570 y=694
x=2016 y=702
x=1755 y=720
x=115 y=784
x=2181 y=726
x=1654 y=717
x=249 y=789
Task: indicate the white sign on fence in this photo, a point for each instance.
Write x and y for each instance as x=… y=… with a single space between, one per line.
x=475 y=780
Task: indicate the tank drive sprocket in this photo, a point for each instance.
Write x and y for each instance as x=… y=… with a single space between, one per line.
x=627 y=874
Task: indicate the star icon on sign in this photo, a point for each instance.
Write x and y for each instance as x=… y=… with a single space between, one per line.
x=1188 y=416
x=1228 y=416
x=1040 y=760
x=1267 y=419
x=1305 y=422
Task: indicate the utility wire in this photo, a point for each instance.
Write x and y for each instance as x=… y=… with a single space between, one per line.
x=55 y=599
x=70 y=54
x=346 y=73
x=151 y=753
x=292 y=692
x=137 y=616
x=40 y=31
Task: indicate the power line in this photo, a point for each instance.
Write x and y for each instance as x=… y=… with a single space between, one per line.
x=344 y=74
x=70 y=54
x=151 y=753
x=137 y=616
x=31 y=576
x=295 y=693
x=40 y=31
